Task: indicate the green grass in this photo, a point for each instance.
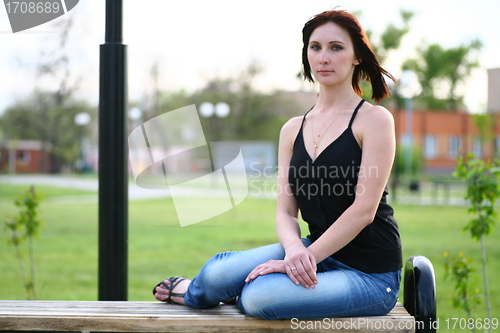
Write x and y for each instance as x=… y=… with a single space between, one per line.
x=10 y=192
x=66 y=251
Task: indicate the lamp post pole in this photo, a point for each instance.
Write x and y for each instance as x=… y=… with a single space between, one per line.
x=409 y=87
x=113 y=161
x=207 y=110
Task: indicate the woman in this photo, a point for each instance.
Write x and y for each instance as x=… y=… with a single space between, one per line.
x=334 y=163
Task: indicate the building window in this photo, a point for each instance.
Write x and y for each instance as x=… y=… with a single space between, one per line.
x=430 y=147
x=23 y=157
x=455 y=146
x=497 y=145
x=477 y=148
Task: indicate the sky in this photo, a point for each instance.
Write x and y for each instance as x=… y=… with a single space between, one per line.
x=196 y=40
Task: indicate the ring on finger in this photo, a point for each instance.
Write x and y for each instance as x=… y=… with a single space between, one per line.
x=293 y=268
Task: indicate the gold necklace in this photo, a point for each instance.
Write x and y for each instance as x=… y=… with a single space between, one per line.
x=321 y=136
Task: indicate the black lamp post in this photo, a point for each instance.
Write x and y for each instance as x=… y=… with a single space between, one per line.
x=113 y=160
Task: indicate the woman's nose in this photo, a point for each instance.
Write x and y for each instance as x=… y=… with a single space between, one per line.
x=323 y=57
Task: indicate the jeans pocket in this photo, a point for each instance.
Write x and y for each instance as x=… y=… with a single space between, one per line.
x=389 y=284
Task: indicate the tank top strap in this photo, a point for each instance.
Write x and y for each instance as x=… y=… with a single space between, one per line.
x=304 y=118
x=355 y=112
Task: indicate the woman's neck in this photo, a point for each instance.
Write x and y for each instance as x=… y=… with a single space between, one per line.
x=335 y=98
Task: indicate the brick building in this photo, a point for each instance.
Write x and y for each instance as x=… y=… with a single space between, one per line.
x=24 y=156
x=441 y=136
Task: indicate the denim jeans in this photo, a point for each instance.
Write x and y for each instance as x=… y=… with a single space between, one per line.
x=341 y=291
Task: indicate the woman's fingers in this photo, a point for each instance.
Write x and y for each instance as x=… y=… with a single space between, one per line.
x=310 y=270
x=253 y=274
x=307 y=281
x=290 y=271
x=272 y=266
x=303 y=273
x=302 y=266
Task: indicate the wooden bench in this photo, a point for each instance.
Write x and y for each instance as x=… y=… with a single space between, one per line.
x=104 y=316
x=101 y=316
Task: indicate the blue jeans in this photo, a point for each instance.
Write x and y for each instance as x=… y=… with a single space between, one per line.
x=341 y=291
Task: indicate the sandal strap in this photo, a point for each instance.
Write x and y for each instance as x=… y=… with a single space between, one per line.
x=178 y=294
x=174 y=281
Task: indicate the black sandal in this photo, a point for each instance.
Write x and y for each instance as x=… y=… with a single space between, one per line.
x=174 y=281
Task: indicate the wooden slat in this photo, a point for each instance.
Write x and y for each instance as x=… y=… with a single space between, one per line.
x=161 y=317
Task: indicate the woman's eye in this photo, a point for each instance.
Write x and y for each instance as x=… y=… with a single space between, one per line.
x=315 y=47
x=336 y=47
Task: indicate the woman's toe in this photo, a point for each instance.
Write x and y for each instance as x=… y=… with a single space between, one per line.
x=162 y=293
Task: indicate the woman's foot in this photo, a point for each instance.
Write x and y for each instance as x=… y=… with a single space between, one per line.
x=172 y=290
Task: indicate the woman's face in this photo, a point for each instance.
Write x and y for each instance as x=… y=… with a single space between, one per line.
x=331 y=55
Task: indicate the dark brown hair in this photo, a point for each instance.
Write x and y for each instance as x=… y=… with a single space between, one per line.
x=369 y=67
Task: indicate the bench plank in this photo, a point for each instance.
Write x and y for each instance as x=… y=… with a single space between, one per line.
x=92 y=316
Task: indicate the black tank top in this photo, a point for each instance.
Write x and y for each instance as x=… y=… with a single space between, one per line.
x=326 y=187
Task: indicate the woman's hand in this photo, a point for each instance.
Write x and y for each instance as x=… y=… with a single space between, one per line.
x=300 y=266
x=272 y=266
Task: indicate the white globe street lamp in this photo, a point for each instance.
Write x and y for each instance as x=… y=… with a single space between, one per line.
x=82 y=119
x=135 y=113
x=207 y=109
x=221 y=110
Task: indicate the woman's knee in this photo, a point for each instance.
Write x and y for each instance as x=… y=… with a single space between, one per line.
x=218 y=270
x=258 y=305
x=262 y=297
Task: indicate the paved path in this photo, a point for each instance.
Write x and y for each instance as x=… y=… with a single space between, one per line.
x=80 y=183
x=91 y=184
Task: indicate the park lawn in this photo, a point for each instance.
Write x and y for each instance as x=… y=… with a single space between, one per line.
x=66 y=251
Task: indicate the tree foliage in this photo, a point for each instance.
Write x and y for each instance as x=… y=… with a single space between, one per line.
x=391 y=37
x=482 y=192
x=47 y=114
x=466 y=295
x=436 y=66
x=26 y=226
x=389 y=41
x=482 y=180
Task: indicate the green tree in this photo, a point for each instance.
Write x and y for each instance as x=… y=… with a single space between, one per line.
x=482 y=179
x=47 y=115
x=26 y=226
x=466 y=294
x=39 y=117
x=436 y=65
x=390 y=39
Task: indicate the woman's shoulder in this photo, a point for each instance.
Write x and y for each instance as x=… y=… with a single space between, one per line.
x=290 y=130
x=292 y=126
x=375 y=115
x=372 y=121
